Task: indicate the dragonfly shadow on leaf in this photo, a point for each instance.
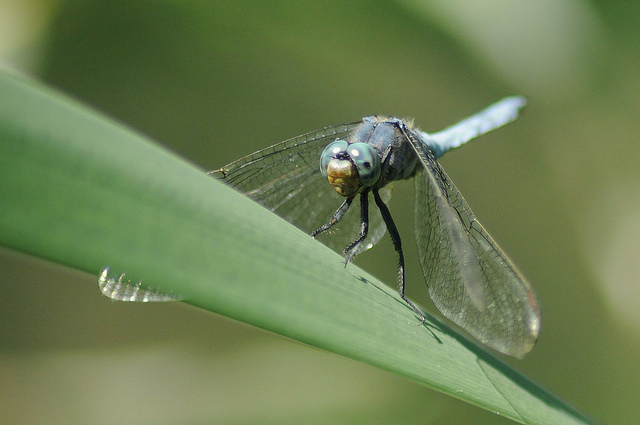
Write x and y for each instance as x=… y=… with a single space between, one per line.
x=431 y=323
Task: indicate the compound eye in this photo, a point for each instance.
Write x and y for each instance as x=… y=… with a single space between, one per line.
x=332 y=150
x=367 y=161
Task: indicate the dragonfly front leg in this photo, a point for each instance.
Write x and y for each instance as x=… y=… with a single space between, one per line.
x=335 y=218
x=353 y=248
x=397 y=244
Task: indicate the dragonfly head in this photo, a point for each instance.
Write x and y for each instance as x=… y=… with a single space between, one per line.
x=350 y=167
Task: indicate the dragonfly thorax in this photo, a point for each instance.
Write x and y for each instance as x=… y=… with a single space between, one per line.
x=388 y=137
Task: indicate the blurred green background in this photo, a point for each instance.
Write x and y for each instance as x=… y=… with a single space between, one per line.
x=214 y=80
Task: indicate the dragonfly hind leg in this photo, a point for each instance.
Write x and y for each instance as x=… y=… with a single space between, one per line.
x=397 y=244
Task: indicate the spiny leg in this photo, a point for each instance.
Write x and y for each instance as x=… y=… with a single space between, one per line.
x=397 y=244
x=336 y=216
x=352 y=249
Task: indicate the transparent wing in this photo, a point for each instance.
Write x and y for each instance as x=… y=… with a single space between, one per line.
x=285 y=178
x=470 y=279
x=490 y=118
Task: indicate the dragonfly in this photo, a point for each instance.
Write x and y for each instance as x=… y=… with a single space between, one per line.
x=471 y=280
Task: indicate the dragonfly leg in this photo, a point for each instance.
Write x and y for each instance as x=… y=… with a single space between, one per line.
x=397 y=244
x=336 y=216
x=352 y=249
